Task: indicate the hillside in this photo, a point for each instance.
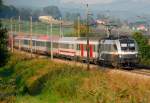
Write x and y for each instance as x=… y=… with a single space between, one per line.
x=40 y=80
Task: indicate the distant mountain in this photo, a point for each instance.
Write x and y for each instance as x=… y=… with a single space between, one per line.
x=123 y=9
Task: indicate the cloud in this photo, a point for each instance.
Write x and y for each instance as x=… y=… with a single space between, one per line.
x=144 y=1
x=87 y=1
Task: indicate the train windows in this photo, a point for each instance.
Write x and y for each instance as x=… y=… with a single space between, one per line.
x=94 y=48
x=34 y=43
x=39 y=43
x=127 y=44
x=26 y=42
x=124 y=45
x=67 y=46
x=71 y=46
x=132 y=46
x=48 y=44
x=78 y=46
x=55 y=45
x=113 y=47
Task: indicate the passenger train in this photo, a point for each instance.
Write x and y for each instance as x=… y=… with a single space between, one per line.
x=116 y=51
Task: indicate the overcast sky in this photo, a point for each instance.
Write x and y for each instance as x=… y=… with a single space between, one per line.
x=64 y=2
x=127 y=5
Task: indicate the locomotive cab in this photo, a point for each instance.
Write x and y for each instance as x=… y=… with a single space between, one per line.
x=128 y=52
x=118 y=52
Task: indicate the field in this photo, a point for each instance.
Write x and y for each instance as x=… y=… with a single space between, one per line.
x=44 y=81
x=38 y=28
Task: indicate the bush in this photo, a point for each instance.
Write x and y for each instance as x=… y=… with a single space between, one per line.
x=144 y=47
x=4 y=54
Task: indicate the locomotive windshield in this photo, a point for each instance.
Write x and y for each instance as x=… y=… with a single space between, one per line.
x=127 y=45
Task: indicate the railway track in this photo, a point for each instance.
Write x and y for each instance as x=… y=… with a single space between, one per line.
x=140 y=69
x=142 y=72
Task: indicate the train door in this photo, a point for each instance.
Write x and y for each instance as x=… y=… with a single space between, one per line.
x=91 y=51
x=82 y=50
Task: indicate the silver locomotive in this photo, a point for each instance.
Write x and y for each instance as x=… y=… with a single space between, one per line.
x=118 y=51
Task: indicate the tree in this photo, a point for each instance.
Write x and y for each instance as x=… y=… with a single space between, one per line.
x=3 y=44
x=52 y=11
x=7 y=11
x=25 y=13
x=144 y=48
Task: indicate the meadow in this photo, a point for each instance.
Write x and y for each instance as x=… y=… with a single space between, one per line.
x=38 y=28
x=40 y=80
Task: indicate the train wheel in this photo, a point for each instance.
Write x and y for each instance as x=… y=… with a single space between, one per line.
x=115 y=65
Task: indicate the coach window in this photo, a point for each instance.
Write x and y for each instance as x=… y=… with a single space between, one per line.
x=48 y=44
x=94 y=48
x=33 y=42
x=42 y=43
x=26 y=42
x=78 y=46
x=55 y=45
x=37 y=43
x=71 y=46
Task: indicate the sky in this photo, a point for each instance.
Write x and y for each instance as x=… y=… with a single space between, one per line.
x=40 y=3
x=132 y=6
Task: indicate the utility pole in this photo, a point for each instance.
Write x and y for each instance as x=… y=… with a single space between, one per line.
x=78 y=26
x=12 y=41
x=61 y=34
x=88 y=56
x=109 y=28
x=31 y=35
x=51 y=41
x=47 y=27
x=19 y=33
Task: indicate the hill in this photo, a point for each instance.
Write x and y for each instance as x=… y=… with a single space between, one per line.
x=44 y=81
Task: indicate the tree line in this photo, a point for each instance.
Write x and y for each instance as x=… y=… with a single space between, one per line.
x=13 y=12
x=4 y=53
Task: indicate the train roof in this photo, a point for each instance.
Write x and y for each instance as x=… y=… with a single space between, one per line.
x=70 y=40
x=90 y=38
x=39 y=38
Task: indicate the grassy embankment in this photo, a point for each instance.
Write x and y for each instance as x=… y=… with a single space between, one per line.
x=45 y=81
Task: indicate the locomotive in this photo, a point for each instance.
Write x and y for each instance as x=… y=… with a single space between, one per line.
x=117 y=51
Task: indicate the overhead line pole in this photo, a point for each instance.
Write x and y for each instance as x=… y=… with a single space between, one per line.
x=88 y=56
x=31 y=35
x=78 y=26
x=51 y=41
x=12 y=42
x=61 y=28
x=19 y=33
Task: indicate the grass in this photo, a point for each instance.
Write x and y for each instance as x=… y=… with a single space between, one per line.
x=38 y=28
x=45 y=81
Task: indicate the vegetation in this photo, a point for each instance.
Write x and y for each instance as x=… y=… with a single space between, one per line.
x=39 y=28
x=53 y=11
x=45 y=81
x=3 y=43
x=144 y=47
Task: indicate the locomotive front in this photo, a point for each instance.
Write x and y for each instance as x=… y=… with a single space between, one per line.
x=128 y=52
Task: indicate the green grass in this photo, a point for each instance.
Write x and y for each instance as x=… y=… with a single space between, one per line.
x=38 y=28
x=45 y=81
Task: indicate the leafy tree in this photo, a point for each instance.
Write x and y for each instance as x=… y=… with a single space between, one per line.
x=25 y=13
x=3 y=43
x=144 y=48
x=7 y=11
x=52 y=11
